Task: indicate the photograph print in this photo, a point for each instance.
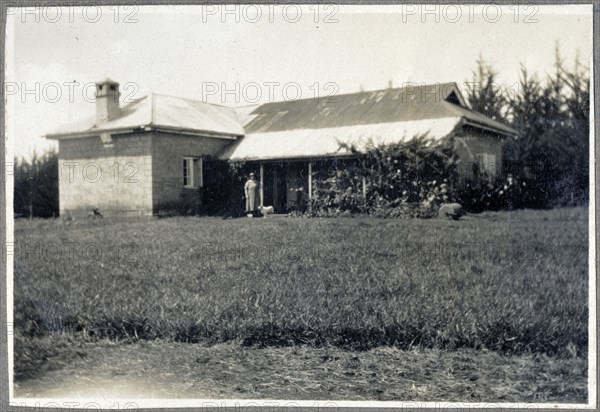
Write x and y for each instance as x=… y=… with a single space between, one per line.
x=300 y=205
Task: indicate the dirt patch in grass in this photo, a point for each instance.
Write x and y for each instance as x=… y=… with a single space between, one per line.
x=230 y=371
x=36 y=356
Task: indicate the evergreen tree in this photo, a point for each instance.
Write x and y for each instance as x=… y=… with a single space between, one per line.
x=551 y=153
x=483 y=94
x=36 y=186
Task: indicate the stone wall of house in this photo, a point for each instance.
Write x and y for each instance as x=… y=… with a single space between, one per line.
x=469 y=143
x=168 y=151
x=114 y=176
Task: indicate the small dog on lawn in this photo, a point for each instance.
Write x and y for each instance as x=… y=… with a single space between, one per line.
x=94 y=213
x=266 y=210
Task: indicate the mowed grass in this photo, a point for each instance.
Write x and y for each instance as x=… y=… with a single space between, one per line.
x=509 y=282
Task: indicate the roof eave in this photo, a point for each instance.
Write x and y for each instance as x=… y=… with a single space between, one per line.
x=90 y=133
x=143 y=128
x=489 y=128
x=195 y=132
x=293 y=158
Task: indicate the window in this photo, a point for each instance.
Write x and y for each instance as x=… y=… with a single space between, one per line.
x=486 y=163
x=192 y=172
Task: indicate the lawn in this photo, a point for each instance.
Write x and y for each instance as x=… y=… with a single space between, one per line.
x=506 y=284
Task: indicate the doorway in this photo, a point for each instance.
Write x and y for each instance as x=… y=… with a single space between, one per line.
x=275 y=186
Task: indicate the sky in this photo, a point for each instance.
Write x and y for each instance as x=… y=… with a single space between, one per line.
x=239 y=55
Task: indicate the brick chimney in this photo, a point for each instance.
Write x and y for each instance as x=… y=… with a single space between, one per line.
x=107 y=101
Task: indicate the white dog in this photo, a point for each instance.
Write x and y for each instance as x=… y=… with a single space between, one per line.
x=266 y=210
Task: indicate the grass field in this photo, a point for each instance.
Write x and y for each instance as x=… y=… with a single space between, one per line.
x=509 y=283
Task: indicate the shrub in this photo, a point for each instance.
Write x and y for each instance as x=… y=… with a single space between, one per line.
x=501 y=193
x=407 y=179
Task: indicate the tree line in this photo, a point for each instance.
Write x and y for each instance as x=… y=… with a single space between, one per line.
x=550 y=158
x=36 y=185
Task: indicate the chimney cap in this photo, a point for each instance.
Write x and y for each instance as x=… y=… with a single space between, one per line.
x=107 y=81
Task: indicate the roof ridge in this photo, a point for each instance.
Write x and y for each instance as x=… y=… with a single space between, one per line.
x=133 y=101
x=152 y=108
x=192 y=100
x=394 y=89
x=419 y=85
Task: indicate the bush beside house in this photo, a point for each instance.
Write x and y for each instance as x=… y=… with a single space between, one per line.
x=400 y=180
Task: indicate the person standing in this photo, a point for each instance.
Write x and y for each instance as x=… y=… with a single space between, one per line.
x=251 y=195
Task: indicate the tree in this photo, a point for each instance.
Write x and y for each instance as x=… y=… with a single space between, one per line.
x=577 y=102
x=36 y=185
x=483 y=94
x=551 y=153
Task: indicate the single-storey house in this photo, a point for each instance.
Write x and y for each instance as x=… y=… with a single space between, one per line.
x=133 y=158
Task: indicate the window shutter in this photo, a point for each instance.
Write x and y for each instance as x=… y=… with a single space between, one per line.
x=193 y=175
x=200 y=172
x=185 y=172
x=486 y=163
x=490 y=164
x=479 y=163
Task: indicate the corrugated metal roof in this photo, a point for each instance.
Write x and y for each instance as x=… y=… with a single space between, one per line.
x=308 y=127
x=483 y=120
x=408 y=103
x=195 y=115
x=245 y=113
x=137 y=113
x=324 y=142
x=163 y=111
x=314 y=127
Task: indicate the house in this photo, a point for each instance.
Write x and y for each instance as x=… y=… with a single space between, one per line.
x=134 y=158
